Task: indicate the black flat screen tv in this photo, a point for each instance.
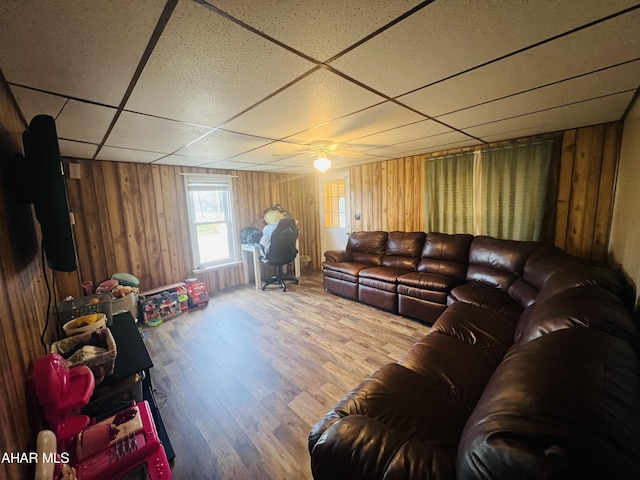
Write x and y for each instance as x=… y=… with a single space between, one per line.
x=47 y=192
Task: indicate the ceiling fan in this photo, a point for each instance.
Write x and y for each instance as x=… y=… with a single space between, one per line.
x=323 y=149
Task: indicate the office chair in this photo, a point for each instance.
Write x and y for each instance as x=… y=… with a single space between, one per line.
x=280 y=251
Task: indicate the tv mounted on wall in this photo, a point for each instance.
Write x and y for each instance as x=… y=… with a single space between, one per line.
x=47 y=192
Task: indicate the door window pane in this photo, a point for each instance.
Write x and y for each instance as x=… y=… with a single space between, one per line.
x=335 y=203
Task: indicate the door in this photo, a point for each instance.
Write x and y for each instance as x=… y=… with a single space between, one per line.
x=334 y=210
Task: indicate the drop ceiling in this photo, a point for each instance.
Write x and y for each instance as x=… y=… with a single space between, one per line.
x=247 y=85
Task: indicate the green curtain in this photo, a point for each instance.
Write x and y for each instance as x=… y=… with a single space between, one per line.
x=499 y=192
x=450 y=193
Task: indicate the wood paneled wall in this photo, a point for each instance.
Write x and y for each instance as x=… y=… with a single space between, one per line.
x=586 y=187
x=389 y=195
x=132 y=218
x=24 y=301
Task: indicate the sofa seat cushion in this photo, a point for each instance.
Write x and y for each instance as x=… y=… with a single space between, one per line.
x=429 y=281
x=383 y=274
x=396 y=424
x=578 y=307
x=480 y=327
x=455 y=366
x=422 y=294
x=487 y=296
x=561 y=406
x=347 y=268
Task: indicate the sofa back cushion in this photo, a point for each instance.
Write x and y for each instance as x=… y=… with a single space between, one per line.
x=498 y=262
x=584 y=272
x=403 y=250
x=367 y=247
x=544 y=262
x=541 y=264
x=578 y=307
x=445 y=254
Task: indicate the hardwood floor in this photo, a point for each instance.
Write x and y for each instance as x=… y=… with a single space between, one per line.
x=242 y=381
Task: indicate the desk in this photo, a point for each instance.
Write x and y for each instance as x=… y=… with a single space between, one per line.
x=253 y=249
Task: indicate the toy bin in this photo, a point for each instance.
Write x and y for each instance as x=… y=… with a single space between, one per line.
x=78 y=307
x=97 y=350
x=159 y=307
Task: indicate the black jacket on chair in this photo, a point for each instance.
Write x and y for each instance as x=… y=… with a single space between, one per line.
x=281 y=250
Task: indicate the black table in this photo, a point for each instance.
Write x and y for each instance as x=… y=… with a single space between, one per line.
x=132 y=358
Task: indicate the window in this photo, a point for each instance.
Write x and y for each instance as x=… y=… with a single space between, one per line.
x=335 y=207
x=500 y=192
x=210 y=203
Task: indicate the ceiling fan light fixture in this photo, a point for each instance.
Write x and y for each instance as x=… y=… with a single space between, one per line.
x=322 y=163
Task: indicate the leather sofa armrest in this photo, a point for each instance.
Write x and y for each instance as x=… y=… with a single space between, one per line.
x=336 y=256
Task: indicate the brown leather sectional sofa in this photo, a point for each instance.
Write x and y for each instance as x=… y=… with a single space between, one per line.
x=530 y=369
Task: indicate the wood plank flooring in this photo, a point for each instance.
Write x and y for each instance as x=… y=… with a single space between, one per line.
x=242 y=381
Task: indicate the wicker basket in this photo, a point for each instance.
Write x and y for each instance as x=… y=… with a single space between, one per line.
x=101 y=365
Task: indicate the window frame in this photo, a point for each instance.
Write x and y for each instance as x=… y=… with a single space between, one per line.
x=212 y=180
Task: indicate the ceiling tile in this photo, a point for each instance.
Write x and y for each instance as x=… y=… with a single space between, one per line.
x=449 y=139
x=350 y=128
x=71 y=149
x=319 y=98
x=446 y=38
x=418 y=130
x=116 y=154
x=295 y=161
x=218 y=67
x=579 y=53
x=220 y=144
x=600 y=110
x=84 y=122
x=87 y=50
x=273 y=152
x=626 y=77
x=153 y=134
x=33 y=102
x=319 y=29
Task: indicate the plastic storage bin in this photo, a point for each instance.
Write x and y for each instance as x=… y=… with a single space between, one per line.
x=77 y=307
x=128 y=303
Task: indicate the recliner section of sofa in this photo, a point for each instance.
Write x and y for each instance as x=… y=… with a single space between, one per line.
x=443 y=265
x=342 y=267
x=530 y=370
x=378 y=285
